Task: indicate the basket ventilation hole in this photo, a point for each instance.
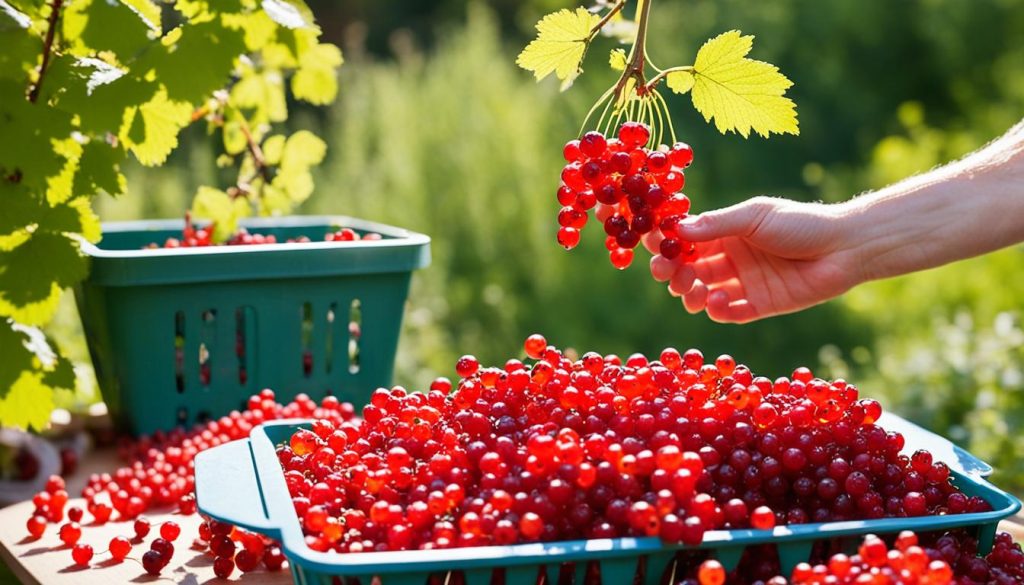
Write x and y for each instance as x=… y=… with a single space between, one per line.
x=307 y=335
x=205 y=367
x=241 y=343
x=179 y=351
x=332 y=311
x=355 y=333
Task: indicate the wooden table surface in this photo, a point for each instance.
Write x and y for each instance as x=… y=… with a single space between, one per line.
x=48 y=562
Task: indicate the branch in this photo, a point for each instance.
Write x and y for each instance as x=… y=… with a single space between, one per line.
x=663 y=74
x=604 y=20
x=257 y=153
x=635 y=67
x=51 y=31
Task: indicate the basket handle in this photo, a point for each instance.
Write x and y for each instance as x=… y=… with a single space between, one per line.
x=228 y=487
x=942 y=448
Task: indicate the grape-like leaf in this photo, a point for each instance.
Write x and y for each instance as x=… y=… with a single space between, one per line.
x=218 y=206
x=93 y=26
x=193 y=61
x=99 y=170
x=21 y=44
x=151 y=130
x=35 y=126
x=316 y=79
x=302 y=150
x=58 y=186
x=263 y=93
x=617 y=59
x=28 y=402
x=740 y=94
x=561 y=44
x=29 y=293
x=273 y=147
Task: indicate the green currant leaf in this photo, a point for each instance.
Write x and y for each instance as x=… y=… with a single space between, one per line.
x=37 y=126
x=193 y=61
x=99 y=170
x=29 y=294
x=288 y=13
x=316 y=79
x=273 y=147
x=28 y=402
x=151 y=129
x=88 y=27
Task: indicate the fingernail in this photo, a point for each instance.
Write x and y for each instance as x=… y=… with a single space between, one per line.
x=688 y=223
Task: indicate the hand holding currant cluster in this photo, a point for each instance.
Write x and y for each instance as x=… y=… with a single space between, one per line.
x=633 y=190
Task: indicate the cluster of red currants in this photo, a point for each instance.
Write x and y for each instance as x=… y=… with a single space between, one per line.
x=905 y=564
x=596 y=447
x=161 y=476
x=193 y=237
x=633 y=190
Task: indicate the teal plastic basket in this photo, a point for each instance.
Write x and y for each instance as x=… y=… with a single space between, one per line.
x=184 y=334
x=242 y=483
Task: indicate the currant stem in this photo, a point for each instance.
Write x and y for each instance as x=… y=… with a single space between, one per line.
x=604 y=20
x=653 y=83
x=51 y=32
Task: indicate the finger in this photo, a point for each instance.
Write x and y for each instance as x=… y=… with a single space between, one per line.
x=662 y=268
x=696 y=299
x=652 y=241
x=722 y=308
x=739 y=220
x=714 y=268
x=683 y=280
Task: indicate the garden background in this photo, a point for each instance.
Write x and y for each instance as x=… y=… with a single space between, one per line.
x=436 y=130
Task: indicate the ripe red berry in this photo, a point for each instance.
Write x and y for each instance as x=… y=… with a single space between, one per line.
x=170 y=530
x=634 y=134
x=119 y=547
x=141 y=527
x=223 y=567
x=82 y=554
x=466 y=366
x=36 y=525
x=153 y=562
x=70 y=533
x=711 y=572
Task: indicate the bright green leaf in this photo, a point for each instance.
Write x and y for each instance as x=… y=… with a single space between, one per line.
x=256 y=26
x=193 y=62
x=59 y=186
x=30 y=294
x=316 y=80
x=273 y=147
x=217 y=206
x=617 y=59
x=297 y=184
x=98 y=169
x=93 y=26
x=151 y=130
x=234 y=138
x=28 y=403
x=36 y=126
x=680 y=81
x=561 y=44
x=303 y=150
x=262 y=92
x=741 y=94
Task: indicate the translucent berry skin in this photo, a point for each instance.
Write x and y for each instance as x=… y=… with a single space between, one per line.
x=141 y=527
x=153 y=562
x=170 y=530
x=681 y=155
x=711 y=572
x=36 y=526
x=119 y=547
x=82 y=554
x=223 y=567
x=70 y=533
x=568 y=237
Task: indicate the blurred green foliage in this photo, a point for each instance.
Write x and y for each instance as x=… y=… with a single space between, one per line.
x=437 y=131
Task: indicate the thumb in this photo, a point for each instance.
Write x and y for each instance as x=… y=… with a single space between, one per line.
x=741 y=219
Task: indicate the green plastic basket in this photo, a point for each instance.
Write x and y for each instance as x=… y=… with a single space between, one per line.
x=184 y=334
x=242 y=483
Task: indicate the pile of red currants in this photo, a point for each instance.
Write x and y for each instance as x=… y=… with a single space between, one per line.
x=201 y=237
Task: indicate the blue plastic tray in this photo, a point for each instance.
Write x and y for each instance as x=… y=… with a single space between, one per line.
x=242 y=483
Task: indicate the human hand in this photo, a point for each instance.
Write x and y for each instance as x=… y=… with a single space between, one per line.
x=760 y=258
